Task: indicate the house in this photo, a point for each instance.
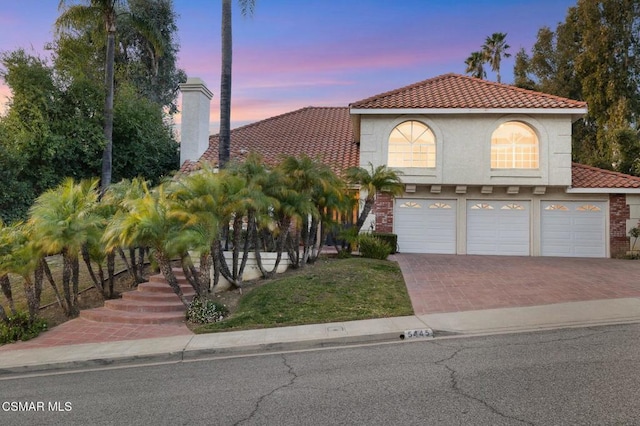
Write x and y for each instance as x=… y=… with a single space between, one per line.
x=486 y=166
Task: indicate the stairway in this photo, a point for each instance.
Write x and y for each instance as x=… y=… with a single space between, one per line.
x=153 y=302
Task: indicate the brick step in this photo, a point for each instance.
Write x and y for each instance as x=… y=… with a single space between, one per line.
x=125 y=317
x=160 y=279
x=163 y=287
x=155 y=296
x=144 y=306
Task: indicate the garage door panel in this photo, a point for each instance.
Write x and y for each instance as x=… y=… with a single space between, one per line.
x=498 y=227
x=573 y=229
x=425 y=225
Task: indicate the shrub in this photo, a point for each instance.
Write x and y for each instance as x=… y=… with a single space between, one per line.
x=20 y=327
x=373 y=247
x=205 y=311
x=344 y=254
x=391 y=239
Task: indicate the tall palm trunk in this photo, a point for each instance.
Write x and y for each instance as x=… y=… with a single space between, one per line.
x=111 y=271
x=107 y=155
x=67 y=272
x=366 y=209
x=33 y=303
x=3 y=315
x=164 y=263
x=52 y=283
x=87 y=260
x=224 y=148
x=5 y=285
x=75 y=277
x=280 y=245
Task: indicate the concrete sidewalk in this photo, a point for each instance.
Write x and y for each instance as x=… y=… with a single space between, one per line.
x=192 y=347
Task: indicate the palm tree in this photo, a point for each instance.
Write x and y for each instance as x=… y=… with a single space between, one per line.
x=255 y=203
x=20 y=256
x=197 y=206
x=475 y=65
x=63 y=220
x=371 y=181
x=317 y=184
x=105 y=11
x=224 y=147
x=495 y=48
x=147 y=221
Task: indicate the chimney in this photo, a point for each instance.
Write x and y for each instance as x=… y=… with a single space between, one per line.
x=194 y=129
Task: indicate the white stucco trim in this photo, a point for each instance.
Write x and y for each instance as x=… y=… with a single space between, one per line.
x=578 y=112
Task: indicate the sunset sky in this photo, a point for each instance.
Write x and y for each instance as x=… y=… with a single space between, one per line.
x=297 y=53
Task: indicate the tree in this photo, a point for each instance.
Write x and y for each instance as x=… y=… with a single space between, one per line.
x=475 y=65
x=147 y=51
x=53 y=130
x=202 y=216
x=63 y=220
x=20 y=256
x=47 y=131
x=224 y=149
x=592 y=56
x=105 y=10
x=521 y=71
x=494 y=49
x=143 y=141
x=147 y=221
x=372 y=181
x=319 y=188
x=16 y=195
x=111 y=203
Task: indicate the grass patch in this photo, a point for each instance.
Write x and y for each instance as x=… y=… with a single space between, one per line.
x=328 y=291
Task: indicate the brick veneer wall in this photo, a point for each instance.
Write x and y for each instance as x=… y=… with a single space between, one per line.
x=383 y=209
x=619 y=212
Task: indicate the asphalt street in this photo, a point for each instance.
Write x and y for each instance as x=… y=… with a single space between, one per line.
x=583 y=376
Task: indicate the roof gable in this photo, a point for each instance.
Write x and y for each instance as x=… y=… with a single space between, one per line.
x=454 y=91
x=323 y=132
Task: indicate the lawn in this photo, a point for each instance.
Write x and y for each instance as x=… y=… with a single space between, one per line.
x=328 y=291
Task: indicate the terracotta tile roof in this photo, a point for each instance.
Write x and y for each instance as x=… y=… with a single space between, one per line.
x=458 y=91
x=591 y=177
x=323 y=132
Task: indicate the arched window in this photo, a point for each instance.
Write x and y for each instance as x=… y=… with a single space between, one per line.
x=412 y=144
x=514 y=145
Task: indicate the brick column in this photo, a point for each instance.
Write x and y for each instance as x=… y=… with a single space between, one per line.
x=383 y=209
x=619 y=212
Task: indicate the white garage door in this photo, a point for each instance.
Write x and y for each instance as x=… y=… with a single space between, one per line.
x=573 y=229
x=425 y=226
x=498 y=227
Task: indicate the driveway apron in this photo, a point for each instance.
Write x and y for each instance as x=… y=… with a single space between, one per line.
x=453 y=283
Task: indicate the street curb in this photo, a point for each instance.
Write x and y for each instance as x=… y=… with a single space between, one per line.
x=94 y=363
x=292 y=346
x=187 y=354
x=533 y=329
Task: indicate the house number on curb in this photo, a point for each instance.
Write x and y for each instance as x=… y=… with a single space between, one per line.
x=420 y=333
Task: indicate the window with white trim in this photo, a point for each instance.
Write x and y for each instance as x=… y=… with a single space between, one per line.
x=412 y=144
x=514 y=145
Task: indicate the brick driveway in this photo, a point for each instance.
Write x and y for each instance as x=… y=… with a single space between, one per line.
x=452 y=283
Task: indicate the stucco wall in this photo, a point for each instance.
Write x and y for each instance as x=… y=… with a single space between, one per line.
x=463 y=144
